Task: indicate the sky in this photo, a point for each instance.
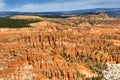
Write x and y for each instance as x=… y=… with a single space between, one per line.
x=55 y=5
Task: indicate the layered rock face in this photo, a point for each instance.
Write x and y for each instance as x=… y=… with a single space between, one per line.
x=111 y=72
x=54 y=51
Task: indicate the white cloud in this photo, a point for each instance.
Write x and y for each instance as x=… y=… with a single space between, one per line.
x=68 y=5
x=2 y=4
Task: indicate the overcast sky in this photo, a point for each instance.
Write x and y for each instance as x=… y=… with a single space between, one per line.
x=55 y=5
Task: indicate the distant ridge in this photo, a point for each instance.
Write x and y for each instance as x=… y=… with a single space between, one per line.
x=113 y=12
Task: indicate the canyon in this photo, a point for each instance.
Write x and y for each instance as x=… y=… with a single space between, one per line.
x=74 y=48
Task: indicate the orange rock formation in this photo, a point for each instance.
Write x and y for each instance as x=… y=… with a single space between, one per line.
x=58 y=52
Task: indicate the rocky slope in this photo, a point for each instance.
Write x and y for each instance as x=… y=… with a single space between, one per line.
x=111 y=72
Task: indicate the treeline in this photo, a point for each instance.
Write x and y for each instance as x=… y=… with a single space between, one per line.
x=53 y=16
x=15 y=23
